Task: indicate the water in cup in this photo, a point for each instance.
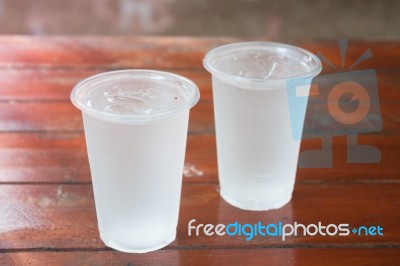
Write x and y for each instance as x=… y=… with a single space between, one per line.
x=136 y=126
x=257 y=154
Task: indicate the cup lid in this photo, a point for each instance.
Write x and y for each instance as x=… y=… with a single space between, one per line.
x=135 y=96
x=261 y=64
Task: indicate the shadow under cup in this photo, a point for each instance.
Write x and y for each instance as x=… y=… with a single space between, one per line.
x=256 y=149
x=136 y=125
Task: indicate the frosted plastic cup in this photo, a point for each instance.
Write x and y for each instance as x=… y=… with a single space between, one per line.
x=136 y=125
x=256 y=150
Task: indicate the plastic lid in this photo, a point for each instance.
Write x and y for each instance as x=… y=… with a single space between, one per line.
x=261 y=65
x=135 y=96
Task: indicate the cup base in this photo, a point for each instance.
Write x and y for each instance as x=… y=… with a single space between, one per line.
x=125 y=247
x=253 y=205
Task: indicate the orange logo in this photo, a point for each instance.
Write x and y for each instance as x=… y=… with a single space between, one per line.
x=359 y=93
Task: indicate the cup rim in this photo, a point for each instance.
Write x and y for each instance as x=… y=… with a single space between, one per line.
x=82 y=86
x=259 y=82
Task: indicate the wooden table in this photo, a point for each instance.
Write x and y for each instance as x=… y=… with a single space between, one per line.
x=47 y=214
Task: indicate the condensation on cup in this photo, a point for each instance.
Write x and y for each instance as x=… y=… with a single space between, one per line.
x=257 y=153
x=136 y=124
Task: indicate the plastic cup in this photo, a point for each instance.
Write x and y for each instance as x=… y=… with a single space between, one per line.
x=135 y=125
x=257 y=153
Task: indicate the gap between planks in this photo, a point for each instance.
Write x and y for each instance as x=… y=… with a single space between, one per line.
x=222 y=247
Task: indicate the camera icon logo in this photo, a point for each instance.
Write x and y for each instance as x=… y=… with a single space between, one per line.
x=342 y=103
x=358 y=94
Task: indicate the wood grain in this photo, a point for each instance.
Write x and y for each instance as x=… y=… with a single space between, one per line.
x=84 y=52
x=161 y=52
x=43 y=157
x=55 y=85
x=61 y=158
x=46 y=200
x=63 y=116
x=63 y=216
x=271 y=256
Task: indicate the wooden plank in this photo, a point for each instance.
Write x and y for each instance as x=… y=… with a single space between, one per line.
x=28 y=84
x=37 y=116
x=383 y=54
x=356 y=205
x=201 y=154
x=273 y=256
x=33 y=84
x=161 y=52
x=43 y=157
x=63 y=216
x=63 y=116
x=56 y=116
x=53 y=157
x=116 y=52
x=45 y=215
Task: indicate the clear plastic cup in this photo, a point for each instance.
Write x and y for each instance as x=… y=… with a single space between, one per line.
x=257 y=153
x=136 y=127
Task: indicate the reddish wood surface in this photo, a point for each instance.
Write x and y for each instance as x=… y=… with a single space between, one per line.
x=55 y=85
x=47 y=213
x=161 y=52
x=60 y=157
x=36 y=116
x=43 y=215
x=217 y=257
